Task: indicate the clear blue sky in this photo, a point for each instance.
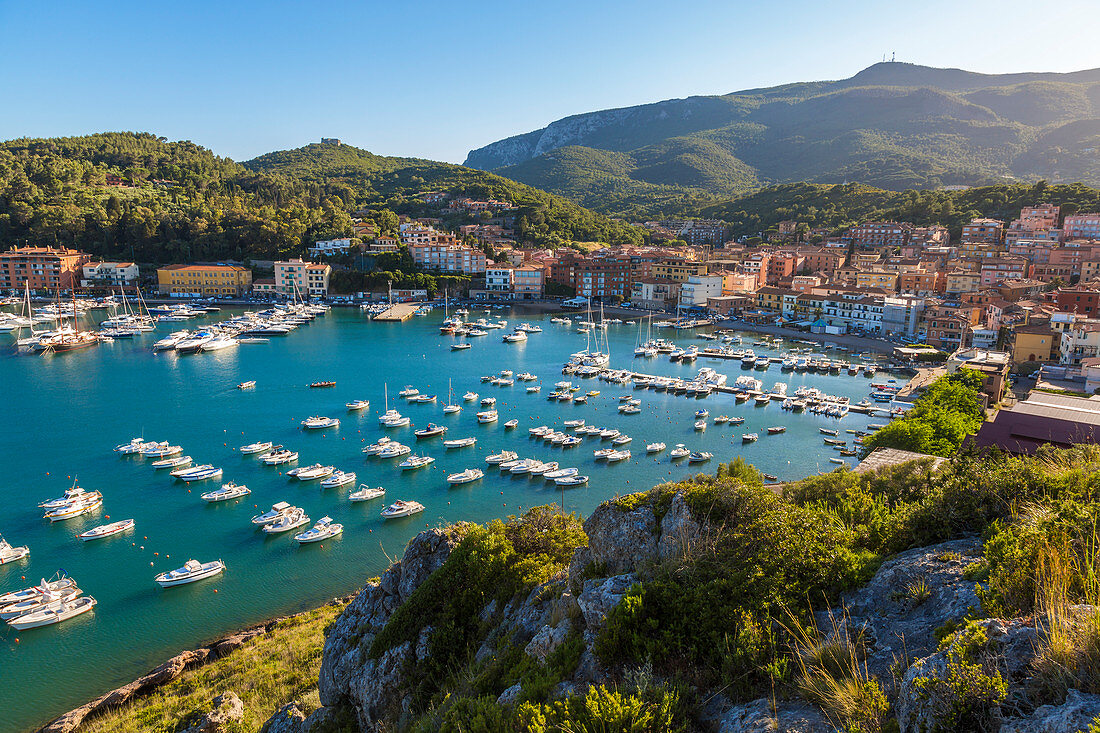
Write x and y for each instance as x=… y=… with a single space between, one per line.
x=435 y=79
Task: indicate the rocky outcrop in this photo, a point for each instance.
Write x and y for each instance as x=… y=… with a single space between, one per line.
x=1075 y=714
x=547 y=640
x=289 y=719
x=680 y=531
x=227 y=711
x=622 y=542
x=1010 y=652
x=759 y=716
x=600 y=595
x=913 y=593
x=376 y=689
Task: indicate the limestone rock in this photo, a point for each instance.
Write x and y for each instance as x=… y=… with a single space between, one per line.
x=288 y=719
x=227 y=709
x=891 y=612
x=600 y=596
x=236 y=641
x=379 y=688
x=582 y=558
x=1012 y=647
x=509 y=696
x=1075 y=714
x=344 y=661
x=621 y=541
x=547 y=640
x=788 y=717
x=680 y=531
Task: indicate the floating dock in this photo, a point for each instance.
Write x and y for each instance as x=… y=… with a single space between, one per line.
x=398 y=312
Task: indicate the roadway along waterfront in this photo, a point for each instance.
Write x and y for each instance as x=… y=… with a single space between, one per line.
x=66 y=412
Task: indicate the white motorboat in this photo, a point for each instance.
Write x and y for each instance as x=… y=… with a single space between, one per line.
x=67 y=610
x=540 y=431
x=312 y=473
x=42 y=601
x=198 y=473
x=750 y=437
x=462 y=346
x=524 y=466
x=621 y=440
x=488 y=401
x=679 y=452
x=497 y=458
x=366 y=493
x=356 y=405
x=62 y=583
x=278 y=456
x=602 y=453
x=91 y=502
x=700 y=424
x=292 y=518
x=172 y=462
x=544 y=468
x=573 y=423
x=414 y=462
x=272 y=514
x=388 y=416
x=430 y=431
x=11 y=554
x=250 y=384
x=409 y=391
x=451 y=409
x=515 y=337
x=319 y=423
x=226 y=492
x=470 y=396
x=394 y=450
x=560 y=473
x=134 y=446
x=654 y=447
x=218 y=343
x=251 y=448
x=699 y=457
x=191 y=572
x=375 y=448
x=459 y=442
x=608 y=434
x=574 y=480
x=465 y=477
x=487 y=416
x=399 y=421
x=402 y=508
x=338 y=479
x=72 y=494
x=511 y=424
x=619 y=455
x=106 y=530
x=160 y=450
x=423 y=399
x=570 y=441
x=324 y=529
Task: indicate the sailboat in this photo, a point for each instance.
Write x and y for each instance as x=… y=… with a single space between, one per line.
x=66 y=338
x=451 y=407
x=27 y=316
x=590 y=357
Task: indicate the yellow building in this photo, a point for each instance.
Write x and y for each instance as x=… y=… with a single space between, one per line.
x=678 y=270
x=877 y=279
x=204 y=280
x=1035 y=343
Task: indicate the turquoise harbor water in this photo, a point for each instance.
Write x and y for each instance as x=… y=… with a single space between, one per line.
x=65 y=413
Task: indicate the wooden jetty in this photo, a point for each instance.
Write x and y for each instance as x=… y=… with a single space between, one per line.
x=398 y=312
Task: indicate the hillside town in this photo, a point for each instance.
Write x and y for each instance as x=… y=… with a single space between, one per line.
x=1030 y=286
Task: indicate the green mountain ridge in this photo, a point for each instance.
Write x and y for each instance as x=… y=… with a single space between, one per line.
x=893 y=126
x=180 y=202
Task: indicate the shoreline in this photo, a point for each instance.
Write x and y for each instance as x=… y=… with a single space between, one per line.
x=172 y=668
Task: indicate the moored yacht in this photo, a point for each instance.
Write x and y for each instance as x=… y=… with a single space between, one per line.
x=226 y=492
x=322 y=530
x=11 y=554
x=338 y=479
x=192 y=571
x=465 y=477
x=402 y=508
x=106 y=530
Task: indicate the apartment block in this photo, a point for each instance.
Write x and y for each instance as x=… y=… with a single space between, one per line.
x=1081 y=226
x=204 y=281
x=108 y=275
x=983 y=230
x=299 y=278
x=44 y=268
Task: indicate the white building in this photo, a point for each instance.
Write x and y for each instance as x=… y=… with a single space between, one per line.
x=108 y=274
x=498 y=279
x=902 y=314
x=1080 y=341
x=329 y=247
x=698 y=288
x=295 y=277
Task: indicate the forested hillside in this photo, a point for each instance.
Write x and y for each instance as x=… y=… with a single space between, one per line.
x=836 y=206
x=892 y=126
x=138 y=196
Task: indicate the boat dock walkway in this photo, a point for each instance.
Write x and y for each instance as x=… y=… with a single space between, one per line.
x=398 y=312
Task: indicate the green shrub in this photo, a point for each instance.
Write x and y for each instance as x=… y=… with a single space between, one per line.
x=492 y=562
x=946 y=413
x=969 y=695
x=711 y=620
